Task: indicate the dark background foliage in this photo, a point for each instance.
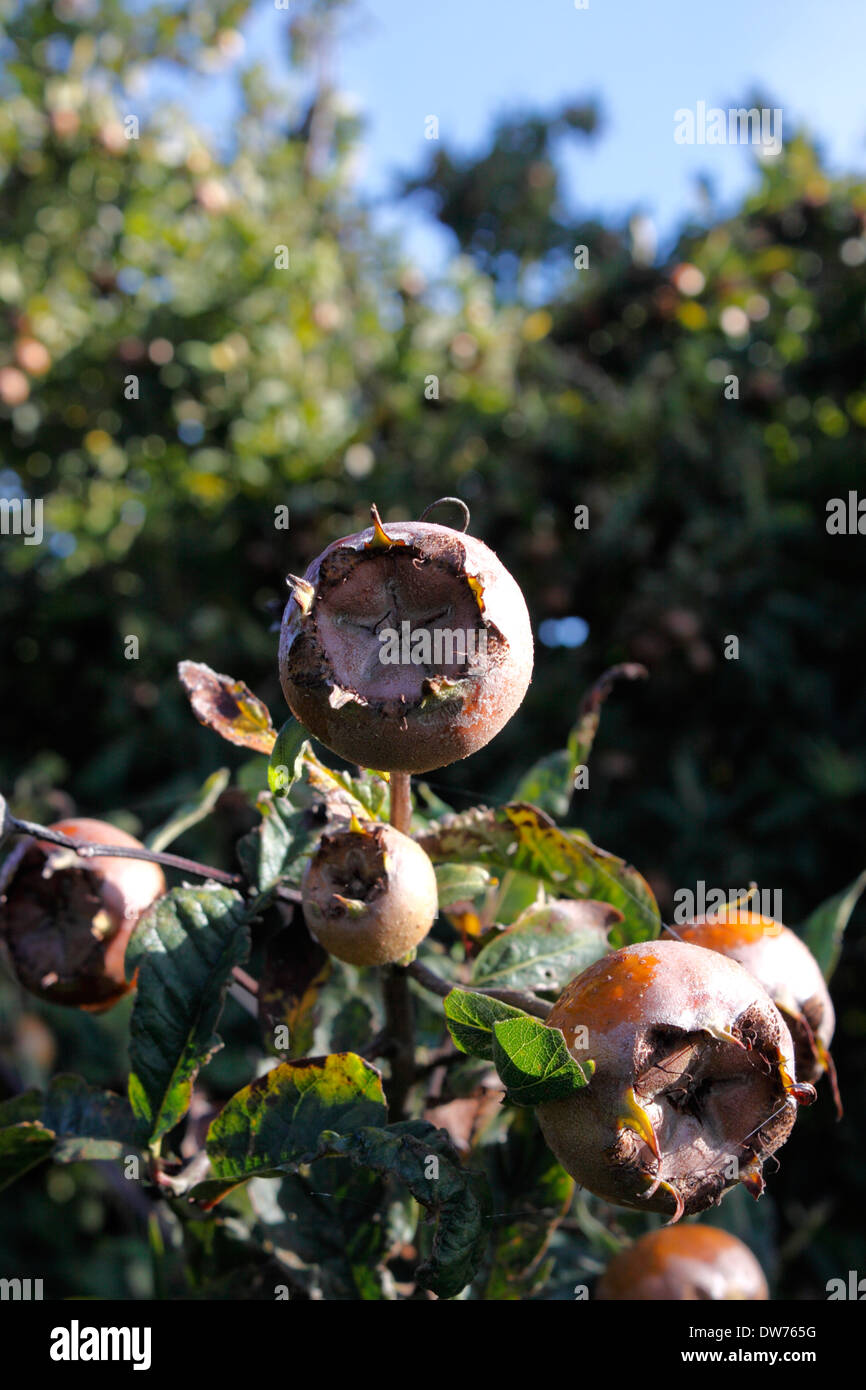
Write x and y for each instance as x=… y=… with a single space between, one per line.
x=305 y=387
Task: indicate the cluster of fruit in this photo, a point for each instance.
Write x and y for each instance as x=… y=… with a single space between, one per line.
x=703 y=1042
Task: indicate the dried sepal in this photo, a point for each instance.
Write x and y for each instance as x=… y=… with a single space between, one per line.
x=788 y=971
x=302 y=592
x=380 y=540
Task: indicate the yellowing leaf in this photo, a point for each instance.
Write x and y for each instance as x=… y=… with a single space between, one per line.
x=228 y=707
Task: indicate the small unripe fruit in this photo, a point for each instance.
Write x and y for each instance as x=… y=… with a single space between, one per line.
x=693 y=1084
x=684 y=1263
x=789 y=972
x=369 y=894
x=66 y=926
x=407 y=649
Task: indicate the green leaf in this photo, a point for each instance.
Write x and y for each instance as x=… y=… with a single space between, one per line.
x=287 y=756
x=522 y=838
x=366 y=796
x=294 y=970
x=534 y=1063
x=184 y=948
x=352 y=1026
x=291 y=825
x=824 y=928
x=22 y=1146
x=548 y=784
x=88 y=1123
x=272 y=850
x=219 y=1259
x=611 y=880
x=331 y=1221
x=471 y=1017
x=515 y=895
x=582 y=735
x=423 y=1159
x=547 y=946
x=534 y=1193
x=191 y=812
x=458 y=883
x=276 y=1123
x=340 y=1221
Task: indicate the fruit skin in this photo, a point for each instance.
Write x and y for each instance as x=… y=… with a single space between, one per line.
x=786 y=968
x=75 y=924
x=369 y=894
x=694 y=1068
x=404 y=717
x=684 y=1263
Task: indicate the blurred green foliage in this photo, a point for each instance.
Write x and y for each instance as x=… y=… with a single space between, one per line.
x=165 y=386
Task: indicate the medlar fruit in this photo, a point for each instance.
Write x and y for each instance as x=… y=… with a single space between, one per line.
x=65 y=924
x=684 y=1263
x=790 y=974
x=407 y=649
x=369 y=894
x=693 y=1084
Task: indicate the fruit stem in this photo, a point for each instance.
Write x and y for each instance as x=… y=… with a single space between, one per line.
x=440 y=501
x=88 y=851
x=399 y=1014
x=401 y=801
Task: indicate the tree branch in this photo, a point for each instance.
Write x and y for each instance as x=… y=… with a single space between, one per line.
x=87 y=851
x=378 y=1046
x=399 y=1013
x=400 y=1029
x=530 y=1003
x=247 y=981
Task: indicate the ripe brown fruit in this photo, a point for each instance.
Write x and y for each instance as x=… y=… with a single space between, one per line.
x=684 y=1263
x=66 y=926
x=405 y=649
x=790 y=974
x=693 y=1084
x=369 y=894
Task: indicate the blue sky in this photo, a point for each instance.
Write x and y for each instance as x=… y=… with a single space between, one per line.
x=468 y=60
